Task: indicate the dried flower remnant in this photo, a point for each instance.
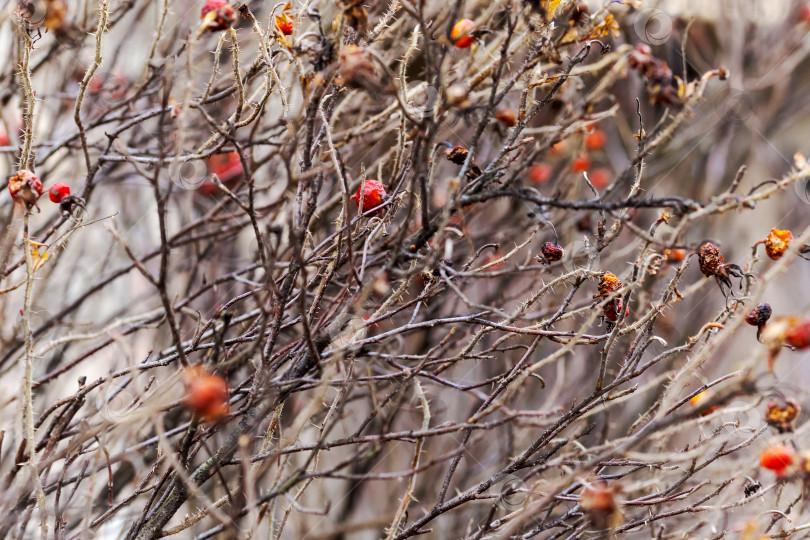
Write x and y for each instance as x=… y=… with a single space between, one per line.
x=781 y=414
x=283 y=21
x=458 y=155
x=658 y=77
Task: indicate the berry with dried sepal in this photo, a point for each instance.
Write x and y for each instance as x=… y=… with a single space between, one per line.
x=284 y=22
x=776 y=458
x=207 y=394
x=217 y=15
x=460 y=34
x=781 y=414
x=25 y=188
x=608 y=284
x=370 y=194
x=790 y=330
x=58 y=192
x=552 y=251
x=759 y=315
x=712 y=263
x=777 y=242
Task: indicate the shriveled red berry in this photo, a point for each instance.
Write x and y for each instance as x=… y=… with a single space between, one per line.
x=759 y=315
x=776 y=458
x=372 y=194
x=25 y=188
x=58 y=191
x=217 y=15
x=460 y=34
x=207 y=394
x=552 y=251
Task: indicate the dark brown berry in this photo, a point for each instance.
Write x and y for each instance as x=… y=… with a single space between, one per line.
x=759 y=315
x=710 y=259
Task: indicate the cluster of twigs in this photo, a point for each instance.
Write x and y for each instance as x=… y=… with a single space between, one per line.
x=414 y=370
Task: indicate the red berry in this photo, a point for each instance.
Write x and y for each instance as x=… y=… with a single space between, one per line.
x=217 y=14
x=25 y=188
x=58 y=191
x=540 y=172
x=460 y=34
x=372 y=194
x=595 y=140
x=776 y=458
x=207 y=394
x=599 y=178
x=582 y=163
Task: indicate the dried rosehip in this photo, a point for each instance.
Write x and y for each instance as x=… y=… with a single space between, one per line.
x=710 y=259
x=595 y=140
x=613 y=310
x=207 y=394
x=25 y=188
x=552 y=251
x=507 y=117
x=458 y=155
x=370 y=195
x=58 y=191
x=357 y=69
x=608 y=283
x=712 y=263
x=217 y=15
x=759 y=315
x=460 y=34
x=782 y=415
x=777 y=242
x=777 y=459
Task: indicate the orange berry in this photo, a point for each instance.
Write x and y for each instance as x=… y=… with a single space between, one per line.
x=557 y=148
x=460 y=34
x=582 y=163
x=506 y=117
x=540 y=172
x=207 y=394
x=777 y=242
x=595 y=140
x=776 y=458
